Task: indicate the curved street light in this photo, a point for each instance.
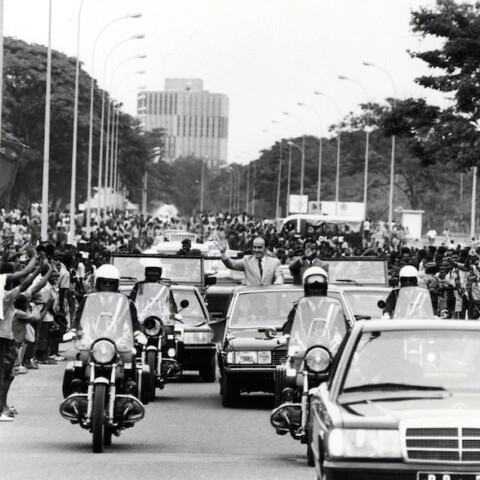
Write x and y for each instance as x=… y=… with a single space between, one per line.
x=337 y=180
x=289 y=172
x=302 y=164
x=392 y=160
x=367 y=141
x=90 y=133
x=319 y=182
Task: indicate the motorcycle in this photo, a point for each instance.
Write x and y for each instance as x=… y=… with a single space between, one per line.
x=413 y=302
x=155 y=310
x=100 y=387
x=318 y=328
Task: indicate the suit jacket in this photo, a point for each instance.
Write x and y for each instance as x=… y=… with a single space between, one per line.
x=272 y=273
x=298 y=267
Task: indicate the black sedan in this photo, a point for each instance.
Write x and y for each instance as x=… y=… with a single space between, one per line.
x=402 y=402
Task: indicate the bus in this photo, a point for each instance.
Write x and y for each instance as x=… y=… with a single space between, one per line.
x=325 y=228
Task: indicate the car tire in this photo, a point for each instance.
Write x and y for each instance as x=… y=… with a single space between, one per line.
x=279 y=380
x=230 y=392
x=208 y=371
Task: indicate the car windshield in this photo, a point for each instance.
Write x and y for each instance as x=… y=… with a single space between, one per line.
x=364 y=302
x=413 y=303
x=420 y=359
x=106 y=315
x=318 y=321
x=194 y=314
x=263 y=309
x=360 y=271
x=177 y=269
x=153 y=299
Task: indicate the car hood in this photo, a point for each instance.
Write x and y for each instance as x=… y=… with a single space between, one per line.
x=391 y=411
x=253 y=340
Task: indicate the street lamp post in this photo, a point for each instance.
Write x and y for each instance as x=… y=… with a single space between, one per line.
x=90 y=134
x=289 y=170
x=392 y=158
x=279 y=181
x=302 y=165
x=75 y=129
x=320 y=148
x=367 y=141
x=202 y=183
x=337 y=177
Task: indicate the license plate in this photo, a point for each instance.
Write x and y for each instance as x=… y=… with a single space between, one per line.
x=447 y=476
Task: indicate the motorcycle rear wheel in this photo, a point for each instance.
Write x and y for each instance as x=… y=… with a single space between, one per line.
x=98 y=418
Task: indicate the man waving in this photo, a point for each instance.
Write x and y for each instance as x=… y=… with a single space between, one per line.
x=259 y=268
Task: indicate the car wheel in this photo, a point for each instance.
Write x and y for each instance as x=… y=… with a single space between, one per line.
x=230 y=392
x=279 y=380
x=208 y=370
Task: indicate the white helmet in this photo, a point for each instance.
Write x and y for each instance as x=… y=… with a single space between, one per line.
x=107 y=272
x=408 y=276
x=314 y=271
x=315 y=282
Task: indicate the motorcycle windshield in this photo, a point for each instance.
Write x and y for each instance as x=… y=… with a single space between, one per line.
x=154 y=299
x=413 y=303
x=317 y=321
x=106 y=315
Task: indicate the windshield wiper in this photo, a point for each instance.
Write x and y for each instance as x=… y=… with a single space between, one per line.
x=392 y=386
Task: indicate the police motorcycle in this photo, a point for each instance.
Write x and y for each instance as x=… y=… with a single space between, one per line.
x=156 y=313
x=409 y=301
x=316 y=327
x=101 y=385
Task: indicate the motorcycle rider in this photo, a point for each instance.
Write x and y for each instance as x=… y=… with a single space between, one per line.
x=315 y=284
x=107 y=279
x=153 y=274
x=408 y=277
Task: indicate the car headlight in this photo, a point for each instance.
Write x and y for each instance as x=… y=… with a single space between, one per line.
x=317 y=360
x=103 y=351
x=152 y=326
x=246 y=357
x=197 y=337
x=362 y=443
x=264 y=357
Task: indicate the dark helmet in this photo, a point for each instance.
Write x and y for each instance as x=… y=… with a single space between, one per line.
x=107 y=278
x=315 y=282
x=408 y=276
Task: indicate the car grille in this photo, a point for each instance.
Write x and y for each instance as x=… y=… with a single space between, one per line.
x=456 y=444
x=279 y=357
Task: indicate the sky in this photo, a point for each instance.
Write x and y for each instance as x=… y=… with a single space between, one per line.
x=265 y=55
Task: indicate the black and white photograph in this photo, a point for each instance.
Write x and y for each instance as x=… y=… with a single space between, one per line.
x=239 y=239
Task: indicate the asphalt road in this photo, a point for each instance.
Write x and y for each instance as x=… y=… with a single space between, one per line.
x=186 y=434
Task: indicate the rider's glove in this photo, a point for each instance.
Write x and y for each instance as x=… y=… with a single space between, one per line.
x=386 y=316
x=70 y=335
x=140 y=338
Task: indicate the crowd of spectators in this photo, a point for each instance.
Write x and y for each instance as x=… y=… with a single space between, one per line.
x=59 y=271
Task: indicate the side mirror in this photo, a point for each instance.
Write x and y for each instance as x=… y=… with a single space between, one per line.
x=381 y=304
x=184 y=304
x=209 y=280
x=270 y=332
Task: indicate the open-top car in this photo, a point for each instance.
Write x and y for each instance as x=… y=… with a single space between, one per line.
x=178 y=269
x=402 y=401
x=196 y=349
x=249 y=351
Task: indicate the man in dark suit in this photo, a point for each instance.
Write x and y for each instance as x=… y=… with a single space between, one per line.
x=259 y=268
x=309 y=259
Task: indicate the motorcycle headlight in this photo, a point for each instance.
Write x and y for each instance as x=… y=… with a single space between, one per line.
x=103 y=351
x=152 y=326
x=246 y=357
x=197 y=337
x=317 y=360
x=361 y=443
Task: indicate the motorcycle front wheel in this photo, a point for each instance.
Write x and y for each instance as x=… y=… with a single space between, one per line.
x=151 y=361
x=98 y=418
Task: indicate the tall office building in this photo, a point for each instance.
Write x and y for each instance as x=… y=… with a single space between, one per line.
x=195 y=121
